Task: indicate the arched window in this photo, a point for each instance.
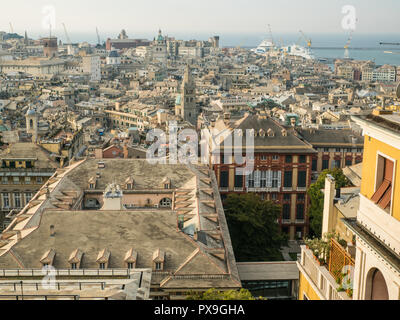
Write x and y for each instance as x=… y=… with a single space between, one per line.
x=31 y=123
x=166 y=203
x=376 y=288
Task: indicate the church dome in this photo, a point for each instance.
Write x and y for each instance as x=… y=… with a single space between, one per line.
x=31 y=112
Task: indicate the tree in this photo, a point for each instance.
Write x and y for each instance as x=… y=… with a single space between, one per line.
x=254 y=228
x=214 y=294
x=317 y=198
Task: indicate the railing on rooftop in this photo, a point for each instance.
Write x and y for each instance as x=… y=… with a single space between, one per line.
x=338 y=260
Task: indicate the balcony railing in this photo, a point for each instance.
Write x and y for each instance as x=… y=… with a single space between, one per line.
x=319 y=277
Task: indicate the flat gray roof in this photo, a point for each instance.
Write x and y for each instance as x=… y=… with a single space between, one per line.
x=283 y=270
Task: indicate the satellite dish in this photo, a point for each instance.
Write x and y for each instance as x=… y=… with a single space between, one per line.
x=398 y=91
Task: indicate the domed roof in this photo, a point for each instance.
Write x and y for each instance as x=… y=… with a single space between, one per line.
x=31 y=112
x=160 y=37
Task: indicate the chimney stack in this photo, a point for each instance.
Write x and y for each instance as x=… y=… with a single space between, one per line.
x=52 y=231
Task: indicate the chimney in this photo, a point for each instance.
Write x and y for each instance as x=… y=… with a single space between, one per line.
x=126 y=153
x=327 y=217
x=52 y=231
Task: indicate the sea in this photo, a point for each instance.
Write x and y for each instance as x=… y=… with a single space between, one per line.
x=331 y=46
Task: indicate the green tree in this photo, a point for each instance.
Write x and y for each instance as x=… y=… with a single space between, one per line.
x=255 y=232
x=214 y=294
x=317 y=198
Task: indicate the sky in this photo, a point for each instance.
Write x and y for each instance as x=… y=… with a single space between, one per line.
x=142 y=19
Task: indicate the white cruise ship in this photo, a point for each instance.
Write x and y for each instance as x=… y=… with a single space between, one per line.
x=296 y=50
x=264 y=46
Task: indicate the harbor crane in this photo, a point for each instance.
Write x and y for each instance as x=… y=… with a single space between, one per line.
x=98 y=36
x=309 y=42
x=347 y=45
x=66 y=34
x=270 y=33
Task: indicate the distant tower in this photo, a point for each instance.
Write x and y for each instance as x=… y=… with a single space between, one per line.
x=50 y=47
x=186 y=105
x=26 y=40
x=32 y=124
x=159 y=49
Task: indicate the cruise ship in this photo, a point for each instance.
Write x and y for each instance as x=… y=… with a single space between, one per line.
x=264 y=46
x=296 y=50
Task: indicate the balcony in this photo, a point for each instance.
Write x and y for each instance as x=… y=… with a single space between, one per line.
x=286 y=221
x=325 y=273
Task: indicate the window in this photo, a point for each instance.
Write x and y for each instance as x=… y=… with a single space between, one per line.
x=102 y=265
x=302 y=179
x=301 y=197
x=27 y=180
x=336 y=163
x=130 y=265
x=91 y=186
x=158 y=266
x=28 y=164
x=238 y=180
x=288 y=179
x=16 y=180
x=349 y=150
x=383 y=194
x=224 y=179
x=275 y=179
x=325 y=164
x=302 y=159
x=349 y=162
x=166 y=203
x=326 y=149
x=288 y=159
x=286 y=212
x=300 y=212
x=39 y=179
x=73 y=266
x=264 y=158
x=314 y=166
x=338 y=150
x=275 y=158
x=287 y=197
x=251 y=180
x=6 y=200
x=263 y=179
x=28 y=197
x=17 y=200
x=274 y=196
x=4 y=180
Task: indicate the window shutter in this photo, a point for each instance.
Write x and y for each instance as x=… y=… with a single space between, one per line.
x=257 y=179
x=269 y=179
x=279 y=179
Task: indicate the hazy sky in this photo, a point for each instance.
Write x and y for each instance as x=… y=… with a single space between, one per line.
x=202 y=16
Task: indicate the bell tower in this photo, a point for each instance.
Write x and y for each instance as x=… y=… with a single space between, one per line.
x=32 y=124
x=188 y=110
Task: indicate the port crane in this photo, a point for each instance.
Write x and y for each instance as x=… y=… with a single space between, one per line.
x=270 y=33
x=347 y=45
x=309 y=42
x=98 y=37
x=66 y=34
